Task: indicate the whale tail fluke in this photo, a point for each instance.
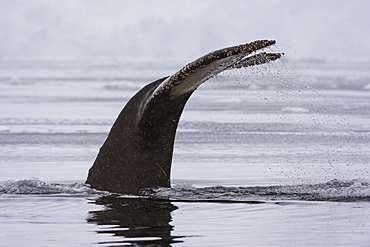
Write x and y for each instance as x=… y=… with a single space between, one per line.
x=137 y=153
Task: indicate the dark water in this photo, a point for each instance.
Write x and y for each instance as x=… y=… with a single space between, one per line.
x=271 y=156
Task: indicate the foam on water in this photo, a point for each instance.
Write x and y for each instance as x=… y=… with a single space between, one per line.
x=36 y=186
x=334 y=190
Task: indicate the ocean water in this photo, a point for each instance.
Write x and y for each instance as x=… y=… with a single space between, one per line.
x=276 y=155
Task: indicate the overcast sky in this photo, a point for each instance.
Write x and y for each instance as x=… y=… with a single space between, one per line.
x=181 y=29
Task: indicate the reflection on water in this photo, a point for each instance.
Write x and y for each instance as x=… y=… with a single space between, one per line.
x=146 y=220
x=141 y=221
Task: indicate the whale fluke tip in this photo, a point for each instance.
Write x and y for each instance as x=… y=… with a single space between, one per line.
x=200 y=70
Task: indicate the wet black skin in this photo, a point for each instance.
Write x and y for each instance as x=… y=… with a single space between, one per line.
x=138 y=151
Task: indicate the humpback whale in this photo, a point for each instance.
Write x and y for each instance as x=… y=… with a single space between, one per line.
x=137 y=153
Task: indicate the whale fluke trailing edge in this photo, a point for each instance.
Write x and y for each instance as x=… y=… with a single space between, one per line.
x=137 y=153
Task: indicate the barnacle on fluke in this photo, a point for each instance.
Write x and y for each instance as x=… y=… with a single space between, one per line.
x=137 y=153
x=231 y=57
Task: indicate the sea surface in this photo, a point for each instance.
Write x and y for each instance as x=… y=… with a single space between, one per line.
x=274 y=155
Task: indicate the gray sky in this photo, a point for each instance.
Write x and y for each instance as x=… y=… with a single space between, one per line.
x=334 y=29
